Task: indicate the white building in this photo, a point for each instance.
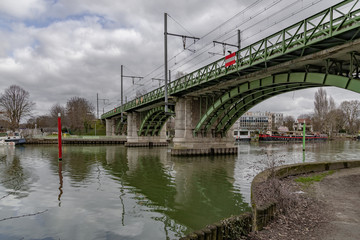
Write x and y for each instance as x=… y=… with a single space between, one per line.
x=259 y=121
x=299 y=125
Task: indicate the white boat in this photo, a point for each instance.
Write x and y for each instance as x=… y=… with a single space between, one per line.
x=12 y=139
x=242 y=135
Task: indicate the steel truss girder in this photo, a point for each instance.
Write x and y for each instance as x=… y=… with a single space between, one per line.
x=245 y=104
x=310 y=35
x=154 y=121
x=354 y=67
x=267 y=86
x=121 y=127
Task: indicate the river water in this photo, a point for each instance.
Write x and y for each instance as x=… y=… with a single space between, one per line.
x=113 y=192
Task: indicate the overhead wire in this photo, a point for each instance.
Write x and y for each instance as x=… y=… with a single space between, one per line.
x=288 y=16
x=213 y=30
x=180 y=25
x=219 y=36
x=277 y=22
x=205 y=47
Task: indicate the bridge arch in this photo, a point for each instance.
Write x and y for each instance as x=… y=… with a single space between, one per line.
x=231 y=105
x=121 y=126
x=154 y=121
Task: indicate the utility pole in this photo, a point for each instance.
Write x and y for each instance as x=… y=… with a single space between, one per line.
x=97 y=103
x=161 y=79
x=166 y=57
x=166 y=60
x=122 y=109
x=122 y=89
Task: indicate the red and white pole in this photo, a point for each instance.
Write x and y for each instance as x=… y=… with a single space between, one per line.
x=59 y=136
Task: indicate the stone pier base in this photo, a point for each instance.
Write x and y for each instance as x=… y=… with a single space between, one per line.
x=146 y=144
x=134 y=140
x=188 y=112
x=204 y=146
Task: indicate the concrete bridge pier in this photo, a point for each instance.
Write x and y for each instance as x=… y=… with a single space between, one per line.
x=188 y=114
x=110 y=127
x=134 y=140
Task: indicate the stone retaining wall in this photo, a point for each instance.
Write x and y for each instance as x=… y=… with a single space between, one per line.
x=230 y=228
x=75 y=141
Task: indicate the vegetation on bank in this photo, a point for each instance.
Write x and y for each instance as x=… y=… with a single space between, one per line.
x=308 y=180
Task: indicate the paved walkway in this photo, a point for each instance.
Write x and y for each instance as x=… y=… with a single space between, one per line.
x=340 y=194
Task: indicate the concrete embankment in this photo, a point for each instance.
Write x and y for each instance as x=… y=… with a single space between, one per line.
x=85 y=140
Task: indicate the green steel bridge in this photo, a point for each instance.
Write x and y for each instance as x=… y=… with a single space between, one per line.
x=322 y=50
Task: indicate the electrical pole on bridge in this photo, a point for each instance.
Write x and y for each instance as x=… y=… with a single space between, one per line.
x=97 y=103
x=228 y=44
x=166 y=57
x=161 y=79
x=122 y=89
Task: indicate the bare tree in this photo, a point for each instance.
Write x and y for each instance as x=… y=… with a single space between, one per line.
x=320 y=109
x=289 y=122
x=323 y=109
x=336 y=120
x=351 y=110
x=54 y=111
x=305 y=116
x=16 y=104
x=79 y=113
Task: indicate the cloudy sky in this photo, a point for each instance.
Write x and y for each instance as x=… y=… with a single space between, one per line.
x=57 y=49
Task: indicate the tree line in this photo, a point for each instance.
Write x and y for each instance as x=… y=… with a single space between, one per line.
x=77 y=114
x=15 y=104
x=329 y=118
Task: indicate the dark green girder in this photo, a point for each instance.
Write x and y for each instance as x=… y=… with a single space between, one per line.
x=154 y=121
x=121 y=126
x=230 y=106
x=326 y=29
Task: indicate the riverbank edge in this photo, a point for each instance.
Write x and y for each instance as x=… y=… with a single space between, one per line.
x=80 y=140
x=260 y=216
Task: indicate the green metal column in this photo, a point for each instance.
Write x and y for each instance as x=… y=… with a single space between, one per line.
x=304 y=132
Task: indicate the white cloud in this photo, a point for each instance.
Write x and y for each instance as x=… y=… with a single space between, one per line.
x=22 y=8
x=72 y=48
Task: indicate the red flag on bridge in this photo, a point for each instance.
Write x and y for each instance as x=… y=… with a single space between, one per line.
x=230 y=59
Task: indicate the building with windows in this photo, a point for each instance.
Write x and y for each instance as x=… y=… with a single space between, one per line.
x=299 y=125
x=260 y=121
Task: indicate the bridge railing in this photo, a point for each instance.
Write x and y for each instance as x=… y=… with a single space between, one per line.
x=330 y=22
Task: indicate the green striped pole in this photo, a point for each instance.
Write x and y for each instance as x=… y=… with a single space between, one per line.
x=304 y=128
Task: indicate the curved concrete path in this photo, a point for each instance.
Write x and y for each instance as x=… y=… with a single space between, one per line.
x=340 y=194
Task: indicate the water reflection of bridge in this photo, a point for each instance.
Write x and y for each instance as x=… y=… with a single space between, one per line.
x=187 y=192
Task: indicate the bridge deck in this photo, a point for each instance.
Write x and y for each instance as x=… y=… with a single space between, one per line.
x=331 y=27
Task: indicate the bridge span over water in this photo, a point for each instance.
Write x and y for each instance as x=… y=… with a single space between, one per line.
x=322 y=50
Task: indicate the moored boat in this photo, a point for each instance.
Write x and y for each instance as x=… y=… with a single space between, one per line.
x=292 y=137
x=242 y=135
x=12 y=139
